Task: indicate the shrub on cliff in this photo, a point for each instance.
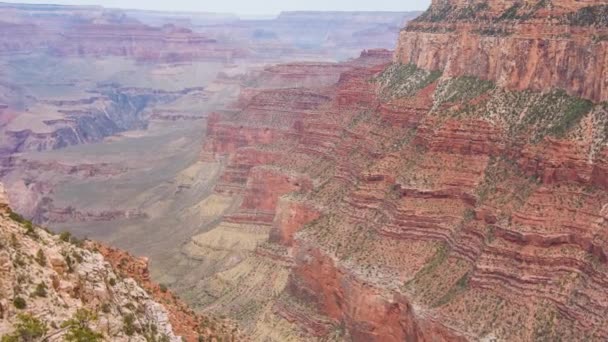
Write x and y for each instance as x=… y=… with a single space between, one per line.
x=129 y=324
x=405 y=80
x=29 y=226
x=41 y=290
x=78 y=329
x=65 y=236
x=588 y=16
x=27 y=328
x=19 y=303
x=41 y=258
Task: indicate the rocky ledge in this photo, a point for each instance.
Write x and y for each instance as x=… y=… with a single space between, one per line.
x=56 y=287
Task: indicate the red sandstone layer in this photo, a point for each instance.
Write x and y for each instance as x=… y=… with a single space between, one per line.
x=431 y=215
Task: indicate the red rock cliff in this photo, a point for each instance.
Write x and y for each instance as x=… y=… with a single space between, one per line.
x=518 y=44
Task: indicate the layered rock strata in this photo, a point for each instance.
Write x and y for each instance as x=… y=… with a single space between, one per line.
x=443 y=190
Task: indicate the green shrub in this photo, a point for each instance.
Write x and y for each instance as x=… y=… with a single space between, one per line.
x=29 y=226
x=19 y=303
x=129 y=324
x=14 y=241
x=27 y=328
x=105 y=308
x=65 y=236
x=18 y=218
x=469 y=214
x=163 y=288
x=555 y=114
x=78 y=329
x=573 y=113
x=18 y=261
x=41 y=258
x=41 y=290
x=112 y=282
x=459 y=287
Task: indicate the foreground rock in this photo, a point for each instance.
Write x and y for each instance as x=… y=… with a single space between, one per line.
x=55 y=287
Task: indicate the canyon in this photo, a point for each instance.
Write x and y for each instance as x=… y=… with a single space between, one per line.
x=455 y=191
x=452 y=190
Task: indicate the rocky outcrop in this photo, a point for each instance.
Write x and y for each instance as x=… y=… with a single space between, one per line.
x=40 y=270
x=186 y=323
x=61 y=287
x=536 y=45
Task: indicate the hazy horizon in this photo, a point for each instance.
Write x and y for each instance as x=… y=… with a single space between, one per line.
x=246 y=7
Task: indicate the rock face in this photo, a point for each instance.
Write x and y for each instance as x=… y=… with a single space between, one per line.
x=186 y=323
x=536 y=45
x=60 y=286
x=457 y=193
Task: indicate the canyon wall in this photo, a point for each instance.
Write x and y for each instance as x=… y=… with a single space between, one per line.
x=457 y=190
x=535 y=45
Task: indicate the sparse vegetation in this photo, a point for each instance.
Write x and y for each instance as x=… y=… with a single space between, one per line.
x=29 y=226
x=445 y=12
x=511 y=12
x=588 y=16
x=78 y=327
x=469 y=214
x=18 y=261
x=41 y=290
x=105 y=308
x=65 y=236
x=404 y=80
x=573 y=113
x=462 y=89
x=555 y=114
x=440 y=256
x=436 y=13
x=27 y=329
x=19 y=303
x=40 y=258
x=522 y=11
x=460 y=286
x=129 y=324
x=493 y=32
